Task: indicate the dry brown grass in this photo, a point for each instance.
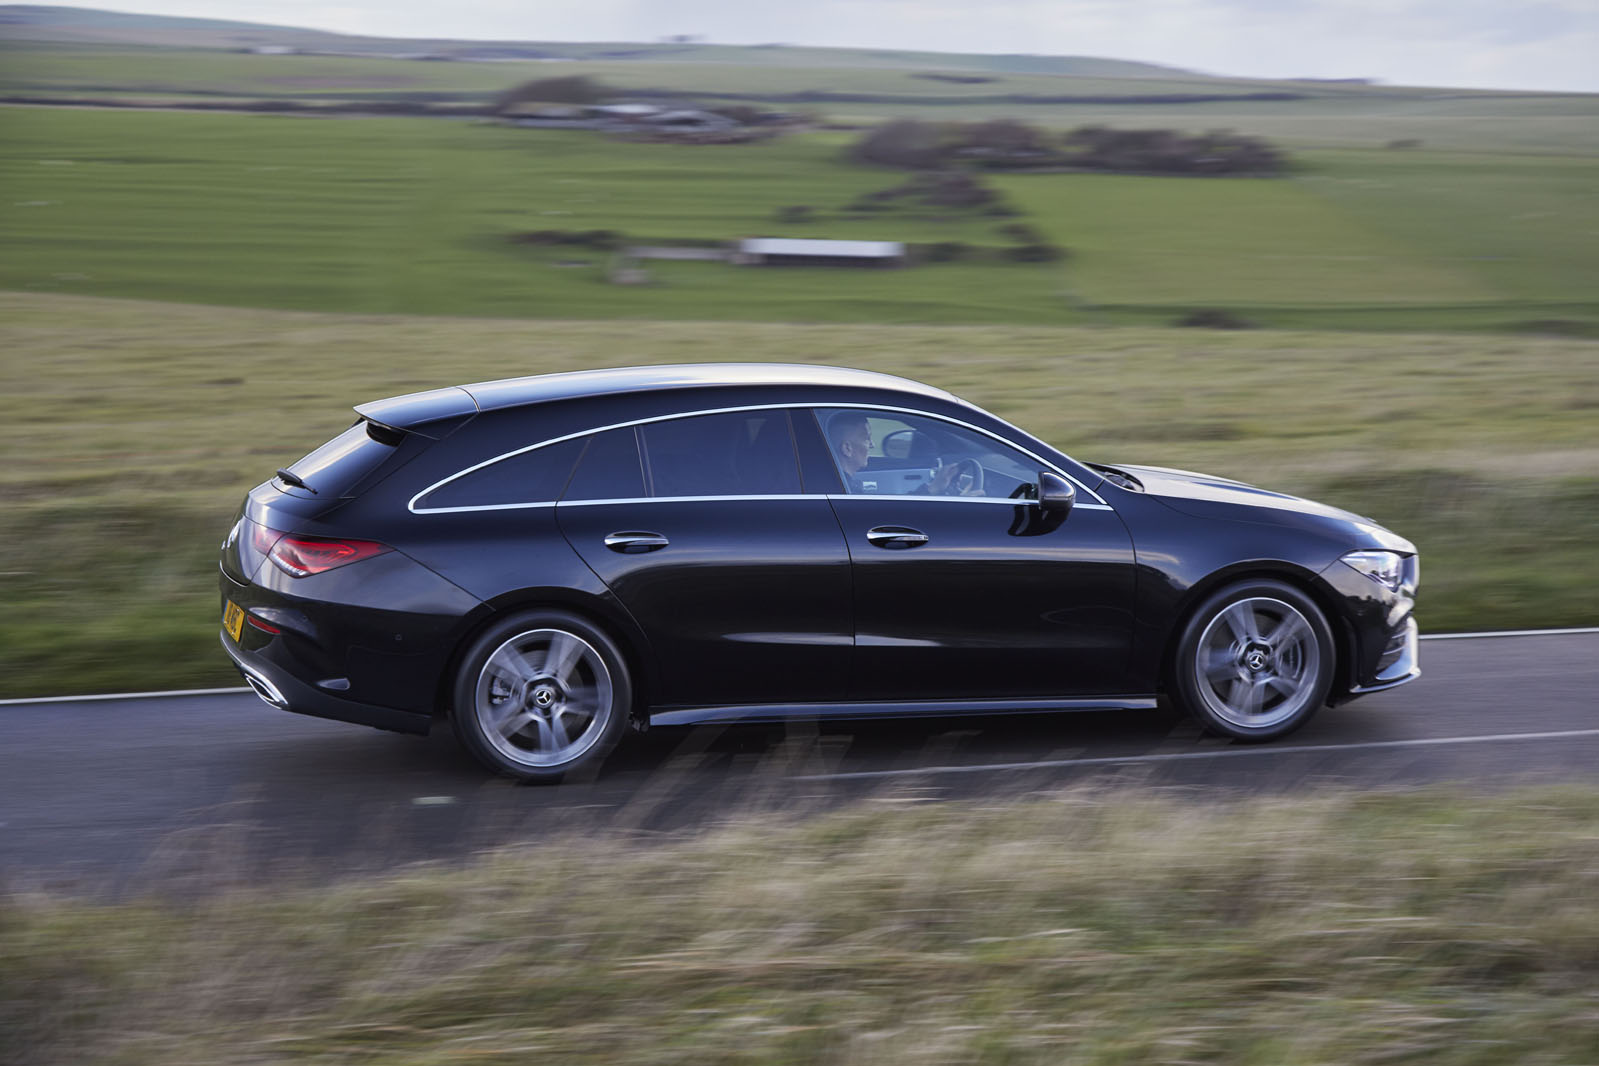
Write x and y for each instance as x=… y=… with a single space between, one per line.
x=1087 y=927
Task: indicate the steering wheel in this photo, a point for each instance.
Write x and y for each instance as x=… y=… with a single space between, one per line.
x=968 y=479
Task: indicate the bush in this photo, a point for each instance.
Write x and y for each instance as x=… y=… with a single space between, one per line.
x=795 y=213
x=1167 y=151
x=1040 y=252
x=573 y=89
x=904 y=143
x=1021 y=232
x=915 y=145
x=1558 y=327
x=952 y=189
x=1214 y=318
x=601 y=239
x=946 y=251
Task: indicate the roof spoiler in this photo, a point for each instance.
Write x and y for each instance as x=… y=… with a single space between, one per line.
x=430 y=414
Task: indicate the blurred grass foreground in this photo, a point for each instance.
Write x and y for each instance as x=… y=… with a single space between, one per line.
x=1090 y=926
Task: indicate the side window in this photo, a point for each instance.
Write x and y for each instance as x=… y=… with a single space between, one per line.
x=891 y=454
x=736 y=453
x=609 y=468
x=536 y=476
x=816 y=459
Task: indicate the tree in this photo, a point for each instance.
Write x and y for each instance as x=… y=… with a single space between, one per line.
x=573 y=89
x=904 y=142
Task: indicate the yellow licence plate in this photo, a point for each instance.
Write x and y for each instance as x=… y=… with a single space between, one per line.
x=233 y=620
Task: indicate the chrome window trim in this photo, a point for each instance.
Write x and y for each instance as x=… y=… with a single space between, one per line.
x=693 y=499
x=1006 y=501
x=1002 y=500
x=411 y=505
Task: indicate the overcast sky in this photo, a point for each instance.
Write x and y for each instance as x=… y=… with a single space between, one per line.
x=1516 y=44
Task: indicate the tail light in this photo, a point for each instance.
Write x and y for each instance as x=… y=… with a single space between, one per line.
x=300 y=556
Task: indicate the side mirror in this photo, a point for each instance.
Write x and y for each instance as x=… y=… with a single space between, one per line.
x=1055 y=494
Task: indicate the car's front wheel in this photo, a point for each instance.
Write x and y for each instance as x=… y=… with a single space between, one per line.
x=541 y=694
x=1255 y=661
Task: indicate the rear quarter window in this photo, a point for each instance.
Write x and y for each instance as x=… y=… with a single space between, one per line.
x=536 y=476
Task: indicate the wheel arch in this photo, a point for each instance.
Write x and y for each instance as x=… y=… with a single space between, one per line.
x=1291 y=574
x=612 y=618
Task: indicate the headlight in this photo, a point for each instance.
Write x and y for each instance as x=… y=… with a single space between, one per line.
x=1385 y=568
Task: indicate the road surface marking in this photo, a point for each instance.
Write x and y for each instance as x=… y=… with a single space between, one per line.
x=125 y=696
x=1511 y=633
x=1219 y=753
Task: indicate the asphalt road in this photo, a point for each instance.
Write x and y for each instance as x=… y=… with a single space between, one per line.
x=190 y=793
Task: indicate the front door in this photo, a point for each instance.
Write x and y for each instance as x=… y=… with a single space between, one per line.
x=962 y=588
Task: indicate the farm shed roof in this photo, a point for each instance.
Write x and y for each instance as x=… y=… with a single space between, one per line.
x=797 y=246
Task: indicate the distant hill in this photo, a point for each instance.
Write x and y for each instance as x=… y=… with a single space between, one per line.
x=81 y=25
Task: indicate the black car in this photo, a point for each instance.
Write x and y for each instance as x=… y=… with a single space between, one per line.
x=549 y=561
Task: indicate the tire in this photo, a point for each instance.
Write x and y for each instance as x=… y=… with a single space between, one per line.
x=541 y=694
x=1255 y=661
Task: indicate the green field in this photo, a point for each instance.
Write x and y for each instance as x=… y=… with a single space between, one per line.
x=416 y=215
x=132 y=431
x=1099 y=927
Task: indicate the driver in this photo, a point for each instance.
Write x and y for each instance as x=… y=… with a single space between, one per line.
x=851 y=436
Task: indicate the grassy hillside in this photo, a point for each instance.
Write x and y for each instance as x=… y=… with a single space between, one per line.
x=35 y=24
x=417 y=215
x=38 y=66
x=846 y=86
x=132 y=431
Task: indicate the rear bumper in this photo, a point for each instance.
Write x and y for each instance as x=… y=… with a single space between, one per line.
x=282 y=690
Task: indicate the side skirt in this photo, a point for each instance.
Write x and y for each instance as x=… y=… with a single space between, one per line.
x=768 y=712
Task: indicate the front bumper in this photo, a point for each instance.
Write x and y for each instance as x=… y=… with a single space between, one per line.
x=1379 y=631
x=1398 y=664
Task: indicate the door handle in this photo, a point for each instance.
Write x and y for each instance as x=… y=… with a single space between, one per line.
x=896 y=537
x=631 y=542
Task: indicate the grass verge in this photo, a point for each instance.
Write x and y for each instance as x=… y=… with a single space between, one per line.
x=1086 y=927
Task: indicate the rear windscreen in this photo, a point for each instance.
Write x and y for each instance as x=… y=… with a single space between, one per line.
x=336 y=468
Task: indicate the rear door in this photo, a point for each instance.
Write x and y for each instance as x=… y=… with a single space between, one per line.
x=703 y=529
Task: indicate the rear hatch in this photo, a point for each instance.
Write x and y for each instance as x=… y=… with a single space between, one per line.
x=388 y=434
x=308 y=489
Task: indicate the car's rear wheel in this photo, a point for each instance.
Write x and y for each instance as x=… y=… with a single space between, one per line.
x=541 y=694
x=1255 y=661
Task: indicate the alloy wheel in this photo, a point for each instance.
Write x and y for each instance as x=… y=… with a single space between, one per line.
x=1257 y=663
x=543 y=698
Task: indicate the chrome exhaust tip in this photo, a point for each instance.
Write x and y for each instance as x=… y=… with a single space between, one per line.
x=266 y=690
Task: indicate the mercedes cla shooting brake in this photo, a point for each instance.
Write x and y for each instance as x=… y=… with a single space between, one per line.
x=550 y=561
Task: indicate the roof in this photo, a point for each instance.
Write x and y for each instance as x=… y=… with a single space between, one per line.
x=626 y=109
x=419 y=408
x=799 y=246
